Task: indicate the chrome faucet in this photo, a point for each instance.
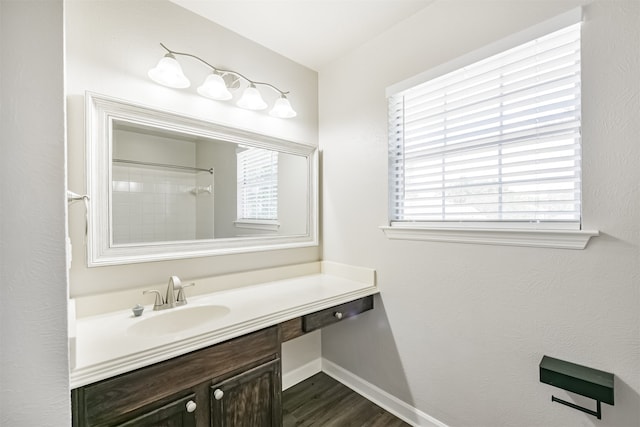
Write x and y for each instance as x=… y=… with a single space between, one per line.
x=174 y=284
x=170 y=299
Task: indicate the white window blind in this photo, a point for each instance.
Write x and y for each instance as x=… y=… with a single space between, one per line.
x=257 y=184
x=494 y=141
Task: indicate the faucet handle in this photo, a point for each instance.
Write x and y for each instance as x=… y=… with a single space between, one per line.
x=182 y=299
x=158 y=303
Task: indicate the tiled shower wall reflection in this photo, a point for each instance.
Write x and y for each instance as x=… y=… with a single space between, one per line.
x=154 y=204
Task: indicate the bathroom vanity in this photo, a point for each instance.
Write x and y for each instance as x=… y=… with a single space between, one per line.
x=216 y=360
x=165 y=381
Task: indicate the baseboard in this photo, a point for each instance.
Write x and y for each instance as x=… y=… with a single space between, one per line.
x=300 y=374
x=389 y=403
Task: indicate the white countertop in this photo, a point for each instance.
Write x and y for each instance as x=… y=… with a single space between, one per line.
x=104 y=347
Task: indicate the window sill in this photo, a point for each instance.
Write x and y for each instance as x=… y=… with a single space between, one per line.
x=560 y=239
x=266 y=224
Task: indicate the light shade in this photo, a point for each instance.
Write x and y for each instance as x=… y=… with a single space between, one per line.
x=169 y=73
x=251 y=99
x=214 y=87
x=282 y=109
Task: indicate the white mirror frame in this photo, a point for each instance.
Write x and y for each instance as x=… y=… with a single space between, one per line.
x=101 y=111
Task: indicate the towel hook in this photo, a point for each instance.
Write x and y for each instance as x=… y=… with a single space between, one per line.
x=74 y=197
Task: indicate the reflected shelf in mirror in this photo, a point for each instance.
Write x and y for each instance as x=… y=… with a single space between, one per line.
x=162 y=165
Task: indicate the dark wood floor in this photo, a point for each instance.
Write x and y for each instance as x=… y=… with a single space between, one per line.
x=323 y=401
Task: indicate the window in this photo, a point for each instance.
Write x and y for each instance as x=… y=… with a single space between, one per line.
x=492 y=144
x=257 y=186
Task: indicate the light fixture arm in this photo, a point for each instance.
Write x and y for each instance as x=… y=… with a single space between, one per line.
x=220 y=70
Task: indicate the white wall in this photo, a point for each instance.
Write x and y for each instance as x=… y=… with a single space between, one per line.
x=221 y=206
x=460 y=329
x=34 y=374
x=110 y=47
x=292 y=194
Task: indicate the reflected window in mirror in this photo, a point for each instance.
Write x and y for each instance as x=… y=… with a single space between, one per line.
x=257 y=189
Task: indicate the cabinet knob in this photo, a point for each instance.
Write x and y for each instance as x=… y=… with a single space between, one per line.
x=191 y=406
x=337 y=315
x=217 y=394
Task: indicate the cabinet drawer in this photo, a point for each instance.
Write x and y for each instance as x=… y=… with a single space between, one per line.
x=291 y=329
x=335 y=314
x=171 y=414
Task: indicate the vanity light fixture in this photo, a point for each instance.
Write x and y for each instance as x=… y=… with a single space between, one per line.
x=282 y=108
x=214 y=87
x=251 y=99
x=169 y=73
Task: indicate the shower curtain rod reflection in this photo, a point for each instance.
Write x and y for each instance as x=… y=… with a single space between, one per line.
x=162 y=165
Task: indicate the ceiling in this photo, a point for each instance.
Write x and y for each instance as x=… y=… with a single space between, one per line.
x=310 y=32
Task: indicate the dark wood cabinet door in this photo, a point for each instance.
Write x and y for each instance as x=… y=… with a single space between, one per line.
x=250 y=399
x=174 y=414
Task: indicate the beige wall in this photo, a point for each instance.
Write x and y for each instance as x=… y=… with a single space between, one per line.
x=110 y=47
x=460 y=329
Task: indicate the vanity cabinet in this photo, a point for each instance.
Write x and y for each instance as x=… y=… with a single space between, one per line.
x=180 y=392
x=237 y=383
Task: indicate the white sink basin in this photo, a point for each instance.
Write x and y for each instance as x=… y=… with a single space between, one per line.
x=176 y=320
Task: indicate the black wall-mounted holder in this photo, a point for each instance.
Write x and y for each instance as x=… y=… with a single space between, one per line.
x=589 y=382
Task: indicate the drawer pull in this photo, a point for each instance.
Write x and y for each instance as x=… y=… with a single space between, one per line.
x=191 y=406
x=337 y=315
x=217 y=394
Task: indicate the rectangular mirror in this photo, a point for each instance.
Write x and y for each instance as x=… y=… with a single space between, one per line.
x=165 y=186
